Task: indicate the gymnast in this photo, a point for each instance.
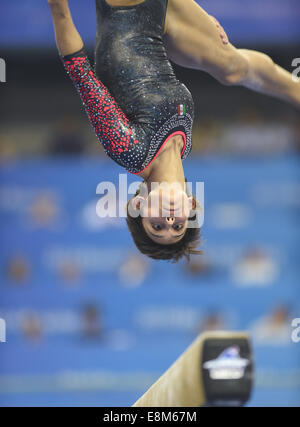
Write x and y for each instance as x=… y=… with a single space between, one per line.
x=143 y=115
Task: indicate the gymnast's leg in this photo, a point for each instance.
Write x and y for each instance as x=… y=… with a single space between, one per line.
x=195 y=40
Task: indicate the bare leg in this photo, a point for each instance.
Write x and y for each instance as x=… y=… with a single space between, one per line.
x=194 y=40
x=68 y=40
x=267 y=77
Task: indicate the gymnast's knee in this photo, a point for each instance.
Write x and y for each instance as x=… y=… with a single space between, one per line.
x=234 y=70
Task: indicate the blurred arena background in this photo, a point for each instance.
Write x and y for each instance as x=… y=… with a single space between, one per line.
x=90 y=321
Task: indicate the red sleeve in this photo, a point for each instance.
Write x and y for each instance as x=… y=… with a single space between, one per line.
x=110 y=123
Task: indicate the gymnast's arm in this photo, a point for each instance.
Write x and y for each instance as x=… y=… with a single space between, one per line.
x=68 y=39
x=110 y=123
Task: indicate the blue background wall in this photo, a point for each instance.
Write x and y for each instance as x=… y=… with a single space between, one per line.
x=27 y=22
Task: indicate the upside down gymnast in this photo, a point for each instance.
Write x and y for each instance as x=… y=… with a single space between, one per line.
x=143 y=115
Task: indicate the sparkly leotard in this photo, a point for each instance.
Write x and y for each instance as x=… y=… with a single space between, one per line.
x=132 y=97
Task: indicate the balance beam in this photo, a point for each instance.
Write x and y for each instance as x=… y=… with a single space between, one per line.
x=188 y=382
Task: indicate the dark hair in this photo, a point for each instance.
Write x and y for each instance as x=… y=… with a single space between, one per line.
x=184 y=248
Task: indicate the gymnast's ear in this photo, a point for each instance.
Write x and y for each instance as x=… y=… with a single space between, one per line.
x=136 y=203
x=192 y=203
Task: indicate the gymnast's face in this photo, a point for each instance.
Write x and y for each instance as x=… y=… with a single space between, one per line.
x=165 y=212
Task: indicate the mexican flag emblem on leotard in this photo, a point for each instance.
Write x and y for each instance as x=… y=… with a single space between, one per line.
x=181 y=110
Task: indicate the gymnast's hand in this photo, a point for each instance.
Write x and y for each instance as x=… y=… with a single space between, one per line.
x=68 y=39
